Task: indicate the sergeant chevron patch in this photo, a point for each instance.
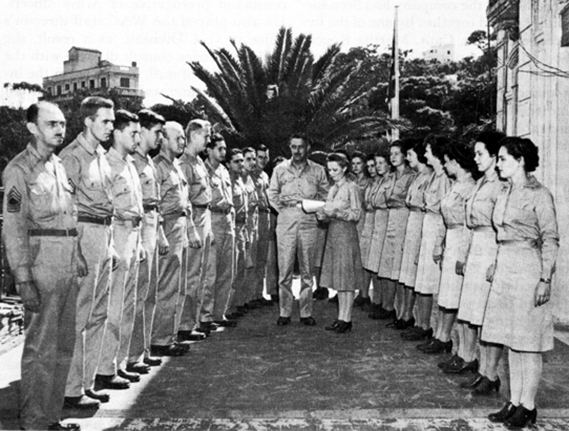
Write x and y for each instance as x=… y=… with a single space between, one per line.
x=14 y=201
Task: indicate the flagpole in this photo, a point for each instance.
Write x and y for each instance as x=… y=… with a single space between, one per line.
x=395 y=100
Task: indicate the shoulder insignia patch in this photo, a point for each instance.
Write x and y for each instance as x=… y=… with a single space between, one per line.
x=14 y=200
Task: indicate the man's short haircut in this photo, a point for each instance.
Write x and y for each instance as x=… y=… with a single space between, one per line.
x=123 y=118
x=33 y=111
x=90 y=106
x=249 y=150
x=298 y=135
x=195 y=125
x=233 y=152
x=149 y=119
x=215 y=138
x=262 y=148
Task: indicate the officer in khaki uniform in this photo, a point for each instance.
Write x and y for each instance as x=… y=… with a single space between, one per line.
x=199 y=227
x=218 y=284
x=261 y=182
x=127 y=199
x=240 y=205
x=174 y=209
x=89 y=176
x=292 y=181
x=152 y=235
x=40 y=236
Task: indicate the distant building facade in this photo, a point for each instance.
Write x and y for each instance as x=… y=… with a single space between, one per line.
x=441 y=53
x=85 y=70
x=533 y=92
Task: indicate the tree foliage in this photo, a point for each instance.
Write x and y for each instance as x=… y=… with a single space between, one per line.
x=263 y=101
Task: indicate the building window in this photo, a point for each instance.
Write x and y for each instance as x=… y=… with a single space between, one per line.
x=125 y=82
x=66 y=88
x=91 y=83
x=74 y=86
x=565 y=27
x=59 y=90
x=82 y=84
x=49 y=90
x=448 y=52
x=103 y=82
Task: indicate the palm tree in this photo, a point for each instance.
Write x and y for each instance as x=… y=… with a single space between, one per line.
x=264 y=102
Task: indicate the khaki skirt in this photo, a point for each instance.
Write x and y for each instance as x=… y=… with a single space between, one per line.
x=411 y=248
x=511 y=317
x=321 y=233
x=342 y=264
x=428 y=272
x=450 y=286
x=392 y=253
x=475 y=288
x=372 y=260
x=365 y=231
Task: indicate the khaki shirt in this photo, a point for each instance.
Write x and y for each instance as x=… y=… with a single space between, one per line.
x=147 y=174
x=173 y=187
x=37 y=196
x=290 y=185
x=89 y=175
x=378 y=196
x=240 y=199
x=480 y=206
x=198 y=183
x=416 y=194
x=125 y=188
x=528 y=214
x=436 y=190
x=252 y=202
x=368 y=193
x=344 y=201
x=261 y=181
x=399 y=183
x=220 y=182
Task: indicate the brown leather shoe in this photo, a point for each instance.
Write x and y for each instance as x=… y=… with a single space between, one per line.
x=82 y=402
x=138 y=367
x=102 y=396
x=111 y=382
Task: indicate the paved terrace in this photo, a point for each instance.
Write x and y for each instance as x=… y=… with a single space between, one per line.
x=262 y=377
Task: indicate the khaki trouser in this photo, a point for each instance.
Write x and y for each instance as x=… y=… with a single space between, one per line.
x=218 y=282
x=92 y=307
x=171 y=283
x=50 y=333
x=296 y=235
x=120 y=320
x=146 y=290
x=262 y=252
x=199 y=267
x=238 y=291
x=272 y=272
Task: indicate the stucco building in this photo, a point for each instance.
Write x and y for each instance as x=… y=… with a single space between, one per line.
x=441 y=53
x=85 y=69
x=533 y=102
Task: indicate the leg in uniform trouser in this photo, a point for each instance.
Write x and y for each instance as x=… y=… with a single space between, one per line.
x=296 y=237
x=198 y=265
x=218 y=282
x=171 y=283
x=261 y=257
x=146 y=290
x=122 y=299
x=92 y=307
x=272 y=272
x=237 y=296
x=50 y=333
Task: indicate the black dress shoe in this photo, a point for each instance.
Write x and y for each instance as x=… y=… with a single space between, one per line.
x=486 y=387
x=501 y=416
x=111 y=382
x=418 y=335
x=450 y=362
x=333 y=326
x=129 y=375
x=137 y=367
x=393 y=324
x=462 y=367
x=283 y=321
x=473 y=382
x=202 y=330
x=343 y=327
x=58 y=426
x=360 y=301
x=191 y=336
x=308 y=321
x=102 y=396
x=521 y=418
x=226 y=323
x=169 y=350
x=320 y=293
x=437 y=347
x=152 y=362
x=383 y=314
x=275 y=298
x=371 y=307
x=404 y=324
x=82 y=402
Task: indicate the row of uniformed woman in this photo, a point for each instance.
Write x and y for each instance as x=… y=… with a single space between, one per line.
x=482 y=250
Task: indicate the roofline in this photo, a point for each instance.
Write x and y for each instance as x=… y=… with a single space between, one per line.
x=85 y=49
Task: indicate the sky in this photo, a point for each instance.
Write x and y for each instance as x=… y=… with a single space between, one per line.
x=162 y=35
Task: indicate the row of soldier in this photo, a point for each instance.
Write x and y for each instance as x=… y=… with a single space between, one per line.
x=121 y=258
